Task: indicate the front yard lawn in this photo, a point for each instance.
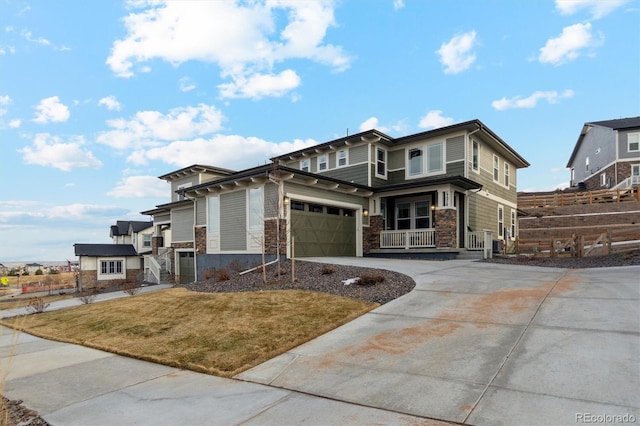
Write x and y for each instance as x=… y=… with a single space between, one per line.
x=216 y=333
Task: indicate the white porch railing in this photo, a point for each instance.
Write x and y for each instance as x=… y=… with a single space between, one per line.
x=413 y=238
x=154 y=269
x=475 y=240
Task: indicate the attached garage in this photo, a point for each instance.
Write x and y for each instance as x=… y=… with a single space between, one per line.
x=322 y=229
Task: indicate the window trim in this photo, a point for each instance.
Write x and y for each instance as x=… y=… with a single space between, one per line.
x=344 y=157
x=496 y=168
x=424 y=164
x=382 y=162
x=305 y=165
x=514 y=229
x=255 y=219
x=506 y=174
x=500 y=222
x=586 y=164
x=419 y=172
x=119 y=268
x=475 y=156
x=441 y=157
x=144 y=240
x=636 y=142
x=603 y=179
x=322 y=157
x=213 y=222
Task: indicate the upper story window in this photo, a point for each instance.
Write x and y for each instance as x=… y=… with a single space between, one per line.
x=322 y=162
x=304 y=165
x=475 y=159
x=146 y=240
x=426 y=161
x=342 y=158
x=415 y=161
x=633 y=141
x=381 y=163
x=496 y=168
x=506 y=174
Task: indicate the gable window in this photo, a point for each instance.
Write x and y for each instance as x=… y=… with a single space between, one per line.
x=342 y=158
x=381 y=163
x=633 y=141
x=304 y=165
x=415 y=161
x=500 y=222
x=513 y=223
x=475 y=158
x=322 y=162
x=435 y=159
x=496 y=168
x=506 y=174
x=146 y=240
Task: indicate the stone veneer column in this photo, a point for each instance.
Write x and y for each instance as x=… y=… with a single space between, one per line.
x=156 y=243
x=446 y=227
x=201 y=240
x=271 y=236
x=371 y=234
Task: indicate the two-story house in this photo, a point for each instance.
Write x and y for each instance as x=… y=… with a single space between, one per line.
x=434 y=193
x=607 y=155
x=134 y=232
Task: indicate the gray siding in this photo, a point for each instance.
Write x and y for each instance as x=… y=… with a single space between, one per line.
x=395 y=177
x=161 y=218
x=233 y=221
x=193 y=180
x=623 y=147
x=396 y=159
x=601 y=138
x=358 y=154
x=271 y=201
x=311 y=191
x=455 y=148
x=455 y=169
x=355 y=174
x=332 y=160
x=201 y=211
x=182 y=225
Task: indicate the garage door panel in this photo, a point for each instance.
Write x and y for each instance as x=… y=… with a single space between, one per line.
x=322 y=234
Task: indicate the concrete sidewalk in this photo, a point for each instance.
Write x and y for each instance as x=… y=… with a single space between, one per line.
x=484 y=344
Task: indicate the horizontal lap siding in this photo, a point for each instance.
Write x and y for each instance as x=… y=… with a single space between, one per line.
x=201 y=211
x=358 y=154
x=356 y=174
x=233 y=221
x=182 y=225
x=455 y=149
x=162 y=218
x=310 y=191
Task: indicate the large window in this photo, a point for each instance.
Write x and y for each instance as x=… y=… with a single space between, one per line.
x=500 y=222
x=381 y=163
x=342 y=158
x=256 y=209
x=633 y=141
x=422 y=214
x=496 y=168
x=415 y=161
x=111 y=267
x=435 y=162
x=403 y=216
x=475 y=161
x=322 y=162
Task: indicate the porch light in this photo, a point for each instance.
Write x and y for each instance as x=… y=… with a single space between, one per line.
x=433 y=207
x=286 y=201
x=365 y=212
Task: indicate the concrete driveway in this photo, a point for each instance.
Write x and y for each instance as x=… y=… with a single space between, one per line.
x=483 y=343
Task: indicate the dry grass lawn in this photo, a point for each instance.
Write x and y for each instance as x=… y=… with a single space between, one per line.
x=216 y=333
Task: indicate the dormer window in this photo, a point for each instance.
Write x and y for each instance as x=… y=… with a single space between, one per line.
x=342 y=158
x=304 y=165
x=322 y=162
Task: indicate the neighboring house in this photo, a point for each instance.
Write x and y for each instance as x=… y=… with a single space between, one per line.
x=607 y=155
x=106 y=262
x=137 y=233
x=434 y=193
x=3 y=270
x=31 y=268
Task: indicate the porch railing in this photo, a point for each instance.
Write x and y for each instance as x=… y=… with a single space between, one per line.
x=154 y=269
x=475 y=240
x=413 y=238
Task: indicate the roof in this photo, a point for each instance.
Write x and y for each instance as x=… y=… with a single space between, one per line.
x=375 y=135
x=122 y=227
x=104 y=250
x=195 y=169
x=617 y=124
x=459 y=181
x=166 y=208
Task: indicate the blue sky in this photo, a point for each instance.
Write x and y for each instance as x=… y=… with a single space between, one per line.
x=99 y=98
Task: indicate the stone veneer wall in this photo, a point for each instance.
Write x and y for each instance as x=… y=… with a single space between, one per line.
x=371 y=234
x=156 y=243
x=89 y=279
x=201 y=239
x=271 y=234
x=446 y=228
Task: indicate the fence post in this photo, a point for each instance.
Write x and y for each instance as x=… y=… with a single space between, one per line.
x=580 y=246
x=552 y=248
x=607 y=245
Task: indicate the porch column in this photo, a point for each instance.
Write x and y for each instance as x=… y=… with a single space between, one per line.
x=371 y=234
x=446 y=225
x=156 y=242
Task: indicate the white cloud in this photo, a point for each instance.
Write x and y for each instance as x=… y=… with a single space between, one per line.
x=398 y=4
x=568 y=45
x=531 y=101
x=110 y=102
x=5 y=100
x=140 y=187
x=148 y=128
x=371 y=123
x=15 y=123
x=259 y=85
x=48 y=150
x=23 y=209
x=597 y=8
x=457 y=54
x=51 y=109
x=434 y=119
x=39 y=40
x=229 y=151
x=186 y=85
x=244 y=39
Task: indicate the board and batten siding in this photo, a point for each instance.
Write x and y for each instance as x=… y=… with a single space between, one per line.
x=182 y=225
x=233 y=221
x=201 y=211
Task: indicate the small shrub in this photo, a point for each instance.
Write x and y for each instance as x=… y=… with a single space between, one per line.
x=87 y=298
x=237 y=266
x=370 y=279
x=209 y=273
x=37 y=305
x=327 y=270
x=222 y=275
x=130 y=287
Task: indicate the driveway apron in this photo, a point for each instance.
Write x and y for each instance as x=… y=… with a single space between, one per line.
x=482 y=343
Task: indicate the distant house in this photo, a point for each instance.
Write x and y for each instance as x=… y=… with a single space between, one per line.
x=136 y=233
x=607 y=155
x=437 y=193
x=31 y=268
x=106 y=262
x=4 y=271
